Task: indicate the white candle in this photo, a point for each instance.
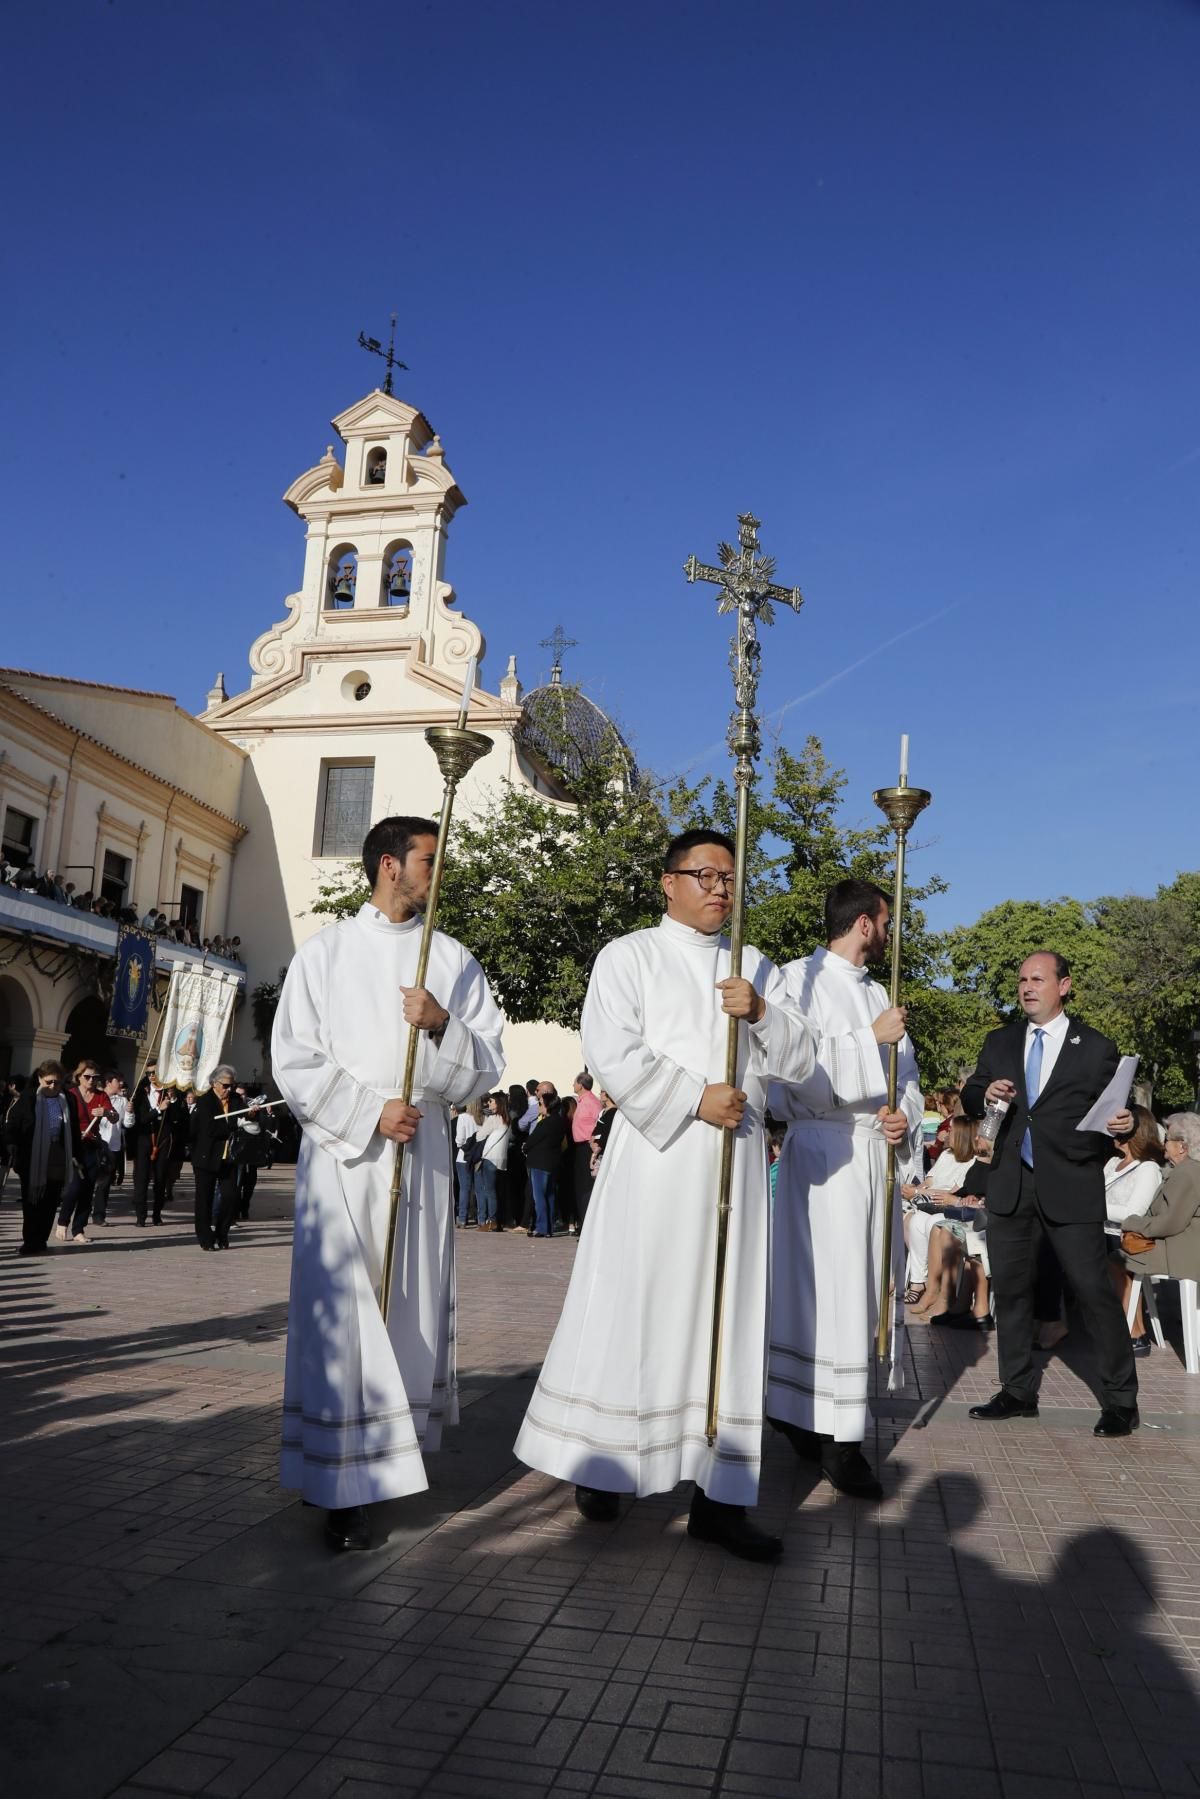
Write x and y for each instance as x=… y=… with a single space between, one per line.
x=904 y=759
x=468 y=685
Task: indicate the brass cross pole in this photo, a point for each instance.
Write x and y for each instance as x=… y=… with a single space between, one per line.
x=744 y=579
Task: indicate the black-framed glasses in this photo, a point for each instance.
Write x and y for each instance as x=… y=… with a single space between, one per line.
x=709 y=879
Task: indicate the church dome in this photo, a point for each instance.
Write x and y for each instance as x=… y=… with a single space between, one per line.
x=562 y=729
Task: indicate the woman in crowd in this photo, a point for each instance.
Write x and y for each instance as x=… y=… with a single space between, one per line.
x=941 y=1186
x=468 y=1151
x=515 y=1176
x=543 y=1158
x=948 y=1107
x=490 y=1169
x=1134 y=1174
x=962 y=1242
x=214 y=1170
x=1171 y=1221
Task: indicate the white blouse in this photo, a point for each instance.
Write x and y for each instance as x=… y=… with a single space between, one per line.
x=948 y=1174
x=1129 y=1187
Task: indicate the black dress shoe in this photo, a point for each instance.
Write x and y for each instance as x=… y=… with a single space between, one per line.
x=728 y=1525
x=964 y=1321
x=1116 y=1421
x=845 y=1467
x=807 y=1444
x=1142 y=1345
x=597 y=1505
x=349 y=1528
x=1005 y=1405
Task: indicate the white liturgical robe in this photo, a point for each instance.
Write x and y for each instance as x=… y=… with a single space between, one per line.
x=362 y=1401
x=829 y=1197
x=620 y=1402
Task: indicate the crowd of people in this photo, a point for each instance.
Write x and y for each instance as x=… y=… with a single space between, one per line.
x=71 y=1141
x=24 y=878
x=528 y=1159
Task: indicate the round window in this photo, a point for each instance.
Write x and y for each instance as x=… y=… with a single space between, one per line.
x=362 y=690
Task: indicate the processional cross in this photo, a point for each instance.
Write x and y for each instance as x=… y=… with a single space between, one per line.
x=389 y=355
x=744 y=579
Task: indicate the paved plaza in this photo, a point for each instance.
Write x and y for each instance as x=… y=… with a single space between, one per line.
x=1020 y=1617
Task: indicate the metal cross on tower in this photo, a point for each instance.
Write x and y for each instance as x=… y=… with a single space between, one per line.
x=558 y=641
x=389 y=355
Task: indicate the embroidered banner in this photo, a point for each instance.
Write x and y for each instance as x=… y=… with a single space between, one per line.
x=195 y=1022
x=133 y=983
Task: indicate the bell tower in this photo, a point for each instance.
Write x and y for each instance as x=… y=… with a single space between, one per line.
x=375 y=548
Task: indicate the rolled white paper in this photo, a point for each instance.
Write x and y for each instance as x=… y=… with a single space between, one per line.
x=468 y=685
x=904 y=758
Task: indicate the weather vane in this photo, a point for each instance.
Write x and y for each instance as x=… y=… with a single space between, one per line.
x=558 y=641
x=389 y=355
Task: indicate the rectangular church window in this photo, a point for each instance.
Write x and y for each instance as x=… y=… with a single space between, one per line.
x=114 y=880
x=191 y=904
x=344 y=807
x=20 y=836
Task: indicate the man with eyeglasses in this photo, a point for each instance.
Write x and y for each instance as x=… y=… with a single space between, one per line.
x=42 y=1131
x=832 y=1190
x=621 y=1401
x=214 y=1170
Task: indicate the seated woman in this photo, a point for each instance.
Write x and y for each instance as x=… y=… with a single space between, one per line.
x=940 y=1187
x=958 y=1241
x=1172 y=1219
x=1134 y=1174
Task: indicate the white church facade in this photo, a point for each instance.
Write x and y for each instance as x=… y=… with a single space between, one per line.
x=286 y=776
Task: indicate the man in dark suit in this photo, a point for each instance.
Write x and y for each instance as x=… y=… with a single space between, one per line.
x=1047 y=1180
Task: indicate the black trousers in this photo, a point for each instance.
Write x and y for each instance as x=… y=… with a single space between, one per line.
x=149 y=1172
x=37 y=1218
x=582 y=1155
x=216 y=1203
x=106 y=1168
x=1082 y=1254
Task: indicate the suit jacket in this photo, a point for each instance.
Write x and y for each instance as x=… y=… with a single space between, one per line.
x=1068 y=1164
x=1173 y=1216
x=212 y=1136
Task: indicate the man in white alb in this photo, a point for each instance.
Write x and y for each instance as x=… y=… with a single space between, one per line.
x=363 y=1401
x=831 y=1191
x=620 y=1404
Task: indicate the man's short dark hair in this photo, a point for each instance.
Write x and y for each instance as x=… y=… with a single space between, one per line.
x=393 y=837
x=585 y=1081
x=531 y=1088
x=679 y=846
x=849 y=900
x=1062 y=968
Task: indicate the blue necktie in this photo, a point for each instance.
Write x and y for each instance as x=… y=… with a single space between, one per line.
x=1033 y=1087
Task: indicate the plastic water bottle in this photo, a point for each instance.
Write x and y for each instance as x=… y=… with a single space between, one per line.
x=993 y=1117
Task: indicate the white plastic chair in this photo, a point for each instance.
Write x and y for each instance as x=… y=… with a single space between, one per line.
x=1188 y=1304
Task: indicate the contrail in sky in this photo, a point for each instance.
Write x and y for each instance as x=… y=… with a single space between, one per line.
x=922 y=624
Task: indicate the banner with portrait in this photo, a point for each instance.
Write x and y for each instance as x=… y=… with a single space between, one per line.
x=133 y=984
x=194 y=1027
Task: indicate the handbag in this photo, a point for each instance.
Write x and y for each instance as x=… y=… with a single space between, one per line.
x=1134 y=1244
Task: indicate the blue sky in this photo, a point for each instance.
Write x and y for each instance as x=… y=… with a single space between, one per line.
x=917 y=283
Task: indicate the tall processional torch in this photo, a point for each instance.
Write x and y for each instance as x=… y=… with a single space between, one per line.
x=457 y=750
x=901 y=805
x=744 y=579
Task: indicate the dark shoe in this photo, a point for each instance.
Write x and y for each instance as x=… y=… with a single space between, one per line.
x=847 y=1469
x=1005 y=1405
x=349 y=1528
x=597 y=1505
x=807 y=1444
x=208 y=1246
x=728 y=1526
x=141 y=1223
x=1142 y=1345
x=156 y=1221
x=964 y=1321
x=1116 y=1421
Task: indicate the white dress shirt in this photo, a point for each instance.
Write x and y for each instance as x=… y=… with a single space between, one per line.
x=1054 y=1035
